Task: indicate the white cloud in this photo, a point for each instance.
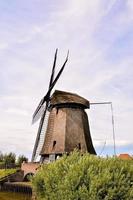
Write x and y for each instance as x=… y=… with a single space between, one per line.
x=110 y=143
x=17 y=111
x=130 y=4
x=3 y=46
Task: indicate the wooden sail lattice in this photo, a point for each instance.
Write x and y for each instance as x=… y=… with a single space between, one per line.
x=42 y=136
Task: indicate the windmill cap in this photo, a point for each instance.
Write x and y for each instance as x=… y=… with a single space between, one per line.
x=62 y=97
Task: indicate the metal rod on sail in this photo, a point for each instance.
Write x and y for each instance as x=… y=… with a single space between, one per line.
x=96 y=103
x=102 y=148
x=113 y=126
x=113 y=129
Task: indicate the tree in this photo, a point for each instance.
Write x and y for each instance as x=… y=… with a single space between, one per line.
x=1 y=156
x=9 y=159
x=21 y=159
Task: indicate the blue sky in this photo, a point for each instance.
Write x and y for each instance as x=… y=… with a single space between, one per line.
x=99 y=35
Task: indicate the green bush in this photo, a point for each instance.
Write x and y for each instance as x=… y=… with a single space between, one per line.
x=85 y=177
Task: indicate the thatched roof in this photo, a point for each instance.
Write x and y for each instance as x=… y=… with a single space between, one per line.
x=61 y=97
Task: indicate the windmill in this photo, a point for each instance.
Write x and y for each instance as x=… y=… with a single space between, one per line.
x=67 y=124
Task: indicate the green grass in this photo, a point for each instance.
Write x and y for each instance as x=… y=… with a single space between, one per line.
x=6 y=172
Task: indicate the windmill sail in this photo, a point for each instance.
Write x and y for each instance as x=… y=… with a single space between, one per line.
x=42 y=137
x=53 y=69
x=41 y=110
x=42 y=105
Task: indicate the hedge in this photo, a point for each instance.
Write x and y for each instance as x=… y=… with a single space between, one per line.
x=85 y=177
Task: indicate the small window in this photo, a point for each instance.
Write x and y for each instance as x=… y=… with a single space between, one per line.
x=57 y=110
x=79 y=146
x=54 y=143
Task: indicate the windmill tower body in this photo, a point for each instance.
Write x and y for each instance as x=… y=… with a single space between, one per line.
x=68 y=126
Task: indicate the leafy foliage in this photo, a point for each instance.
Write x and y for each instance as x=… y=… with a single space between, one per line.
x=1 y=157
x=21 y=159
x=8 y=160
x=85 y=177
